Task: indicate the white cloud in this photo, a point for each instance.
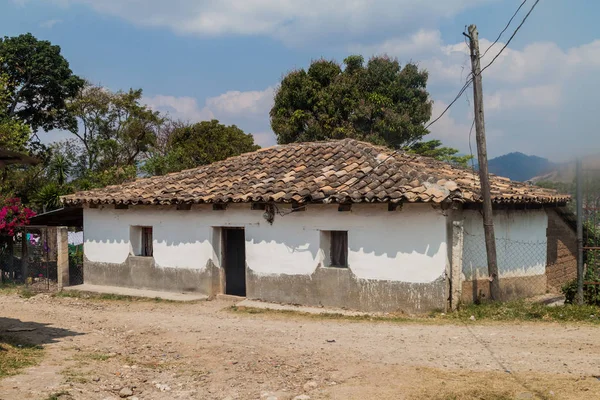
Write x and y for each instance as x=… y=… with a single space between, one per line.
x=451 y=132
x=289 y=20
x=544 y=96
x=235 y=103
x=49 y=24
x=249 y=110
x=416 y=44
x=265 y=139
x=184 y=108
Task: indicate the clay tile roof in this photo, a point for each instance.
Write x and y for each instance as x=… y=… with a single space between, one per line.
x=325 y=172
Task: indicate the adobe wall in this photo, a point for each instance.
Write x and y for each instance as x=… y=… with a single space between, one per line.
x=562 y=252
x=397 y=260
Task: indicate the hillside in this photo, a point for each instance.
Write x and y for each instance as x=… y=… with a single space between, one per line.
x=520 y=167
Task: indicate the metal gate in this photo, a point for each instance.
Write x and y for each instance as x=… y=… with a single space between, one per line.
x=29 y=257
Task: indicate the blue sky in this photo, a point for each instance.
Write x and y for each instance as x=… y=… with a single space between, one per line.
x=201 y=59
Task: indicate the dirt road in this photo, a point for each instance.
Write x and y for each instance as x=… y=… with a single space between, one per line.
x=147 y=350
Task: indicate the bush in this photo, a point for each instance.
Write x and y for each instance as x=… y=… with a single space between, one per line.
x=591 y=293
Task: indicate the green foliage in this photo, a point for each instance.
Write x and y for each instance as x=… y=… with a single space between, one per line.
x=434 y=149
x=38 y=83
x=189 y=146
x=75 y=255
x=115 y=128
x=59 y=168
x=48 y=197
x=106 y=177
x=378 y=102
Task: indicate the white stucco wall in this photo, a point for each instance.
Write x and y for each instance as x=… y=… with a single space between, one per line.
x=408 y=245
x=520 y=243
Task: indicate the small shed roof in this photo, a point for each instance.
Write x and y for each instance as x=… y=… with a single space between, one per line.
x=318 y=172
x=68 y=216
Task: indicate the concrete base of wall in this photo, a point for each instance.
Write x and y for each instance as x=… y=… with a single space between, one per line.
x=143 y=273
x=340 y=288
x=326 y=287
x=511 y=288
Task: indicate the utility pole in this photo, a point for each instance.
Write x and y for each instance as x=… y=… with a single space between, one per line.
x=484 y=178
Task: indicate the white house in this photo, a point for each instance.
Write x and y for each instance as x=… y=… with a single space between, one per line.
x=340 y=224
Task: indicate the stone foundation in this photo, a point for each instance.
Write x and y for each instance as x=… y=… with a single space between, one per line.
x=143 y=273
x=340 y=288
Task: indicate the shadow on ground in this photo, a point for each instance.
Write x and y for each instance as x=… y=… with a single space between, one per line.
x=34 y=333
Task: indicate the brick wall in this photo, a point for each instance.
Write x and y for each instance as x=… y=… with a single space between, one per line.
x=562 y=252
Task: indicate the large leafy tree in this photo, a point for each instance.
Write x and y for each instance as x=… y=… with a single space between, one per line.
x=380 y=102
x=39 y=82
x=181 y=146
x=14 y=134
x=115 y=129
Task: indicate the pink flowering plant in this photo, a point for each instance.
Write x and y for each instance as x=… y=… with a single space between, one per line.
x=13 y=215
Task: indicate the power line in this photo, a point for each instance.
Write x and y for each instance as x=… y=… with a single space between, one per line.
x=511 y=37
x=470 y=80
x=505 y=28
x=460 y=93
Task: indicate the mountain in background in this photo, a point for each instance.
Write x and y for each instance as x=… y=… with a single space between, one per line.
x=521 y=167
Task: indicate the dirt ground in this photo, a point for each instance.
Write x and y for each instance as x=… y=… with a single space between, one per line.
x=155 y=350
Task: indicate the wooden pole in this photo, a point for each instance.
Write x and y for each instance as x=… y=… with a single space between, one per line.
x=484 y=179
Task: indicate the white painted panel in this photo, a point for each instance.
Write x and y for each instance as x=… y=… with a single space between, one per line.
x=520 y=243
x=407 y=245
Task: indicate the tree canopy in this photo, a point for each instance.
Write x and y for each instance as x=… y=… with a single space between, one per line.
x=380 y=102
x=39 y=82
x=183 y=146
x=114 y=128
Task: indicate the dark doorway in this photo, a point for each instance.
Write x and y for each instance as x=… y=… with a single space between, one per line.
x=234 y=255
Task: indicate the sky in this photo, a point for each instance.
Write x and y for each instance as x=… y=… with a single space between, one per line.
x=204 y=59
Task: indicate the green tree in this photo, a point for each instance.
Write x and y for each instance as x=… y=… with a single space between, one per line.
x=59 y=168
x=380 y=102
x=14 y=134
x=115 y=129
x=434 y=149
x=183 y=146
x=39 y=82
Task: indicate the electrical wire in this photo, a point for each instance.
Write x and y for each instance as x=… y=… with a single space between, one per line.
x=469 y=81
x=505 y=28
x=460 y=93
x=511 y=38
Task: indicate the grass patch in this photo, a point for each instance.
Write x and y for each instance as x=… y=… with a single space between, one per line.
x=16 y=288
x=10 y=288
x=515 y=311
x=526 y=311
x=16 y=355
x=73 y=375
x=325 y=315
x=108 y=297
x=57 y=396
x=95 y=356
